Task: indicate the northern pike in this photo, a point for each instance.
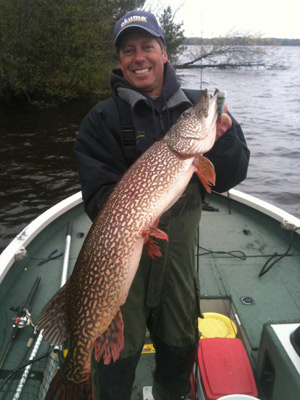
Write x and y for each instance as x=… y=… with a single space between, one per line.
x=87 y=308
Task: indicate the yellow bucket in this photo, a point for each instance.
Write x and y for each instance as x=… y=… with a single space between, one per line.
x=216 y=325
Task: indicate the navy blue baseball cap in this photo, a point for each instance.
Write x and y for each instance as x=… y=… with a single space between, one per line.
x=138 y=19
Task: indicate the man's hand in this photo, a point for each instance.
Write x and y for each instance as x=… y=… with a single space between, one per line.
x=224 y=124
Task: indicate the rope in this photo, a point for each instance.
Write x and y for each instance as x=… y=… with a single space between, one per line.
x=277 y=257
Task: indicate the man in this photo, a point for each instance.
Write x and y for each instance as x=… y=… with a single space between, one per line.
x=164 y=296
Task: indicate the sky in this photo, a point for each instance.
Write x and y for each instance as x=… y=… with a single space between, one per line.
x=214 y=18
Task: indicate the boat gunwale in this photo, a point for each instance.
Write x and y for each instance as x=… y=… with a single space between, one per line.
x=19 y=243
x=288 y=221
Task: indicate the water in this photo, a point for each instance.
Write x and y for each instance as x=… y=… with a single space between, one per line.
x=37 y=166
x=267 y=105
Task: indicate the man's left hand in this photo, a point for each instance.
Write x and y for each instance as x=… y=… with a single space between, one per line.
x=224 y=124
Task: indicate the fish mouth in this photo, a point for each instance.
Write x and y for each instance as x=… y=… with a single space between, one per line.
x=205 y=103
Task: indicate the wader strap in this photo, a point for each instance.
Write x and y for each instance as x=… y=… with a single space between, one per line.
x=128 y=131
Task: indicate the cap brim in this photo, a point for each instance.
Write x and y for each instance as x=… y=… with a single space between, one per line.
x=142 y=28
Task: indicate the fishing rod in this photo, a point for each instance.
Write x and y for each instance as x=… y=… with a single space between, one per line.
x=21 y=366
x=17 y=371
x=22 y=319
x=53 y=359
x=39 y=340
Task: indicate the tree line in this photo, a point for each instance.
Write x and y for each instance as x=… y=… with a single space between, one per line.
x=53 y=51
x=57 y=50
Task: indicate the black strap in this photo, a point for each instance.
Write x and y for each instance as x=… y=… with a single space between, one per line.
x=128 y=131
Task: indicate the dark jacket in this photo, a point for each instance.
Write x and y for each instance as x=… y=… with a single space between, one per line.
x=99 y=149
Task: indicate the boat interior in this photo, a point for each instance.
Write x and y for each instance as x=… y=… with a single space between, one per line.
x=249 y=268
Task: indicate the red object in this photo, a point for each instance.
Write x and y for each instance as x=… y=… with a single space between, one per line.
x=225 y=368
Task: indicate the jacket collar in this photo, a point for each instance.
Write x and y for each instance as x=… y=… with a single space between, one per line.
x=132 y=97
x=172 y=93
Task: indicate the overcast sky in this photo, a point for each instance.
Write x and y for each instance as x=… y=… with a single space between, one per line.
x=213 y=18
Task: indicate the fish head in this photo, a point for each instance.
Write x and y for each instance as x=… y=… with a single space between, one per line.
x=195 y=130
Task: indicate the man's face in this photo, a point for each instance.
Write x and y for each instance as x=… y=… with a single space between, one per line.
x=142 y=63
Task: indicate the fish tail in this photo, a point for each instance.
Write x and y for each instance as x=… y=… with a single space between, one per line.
x=62 y=389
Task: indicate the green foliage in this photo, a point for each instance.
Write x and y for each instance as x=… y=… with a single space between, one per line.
x=173 y=34
x=57 y=49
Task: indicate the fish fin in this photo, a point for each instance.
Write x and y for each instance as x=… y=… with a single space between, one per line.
x=206 y=172
x=155 y=232
x=53 y=318
x=111 y=343
x=62 y=389
x=151 y=246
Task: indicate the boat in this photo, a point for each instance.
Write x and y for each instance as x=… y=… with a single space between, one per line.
x=248 y=260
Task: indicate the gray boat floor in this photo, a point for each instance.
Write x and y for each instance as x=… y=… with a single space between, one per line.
x=237 y=228
x=235 y=242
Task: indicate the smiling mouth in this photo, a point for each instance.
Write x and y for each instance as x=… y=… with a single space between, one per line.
x=141 y=71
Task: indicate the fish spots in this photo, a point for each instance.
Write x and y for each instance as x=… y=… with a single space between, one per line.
x=108 y=260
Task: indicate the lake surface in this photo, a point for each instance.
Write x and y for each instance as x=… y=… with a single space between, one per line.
x=267 y=105
x=37 y=167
